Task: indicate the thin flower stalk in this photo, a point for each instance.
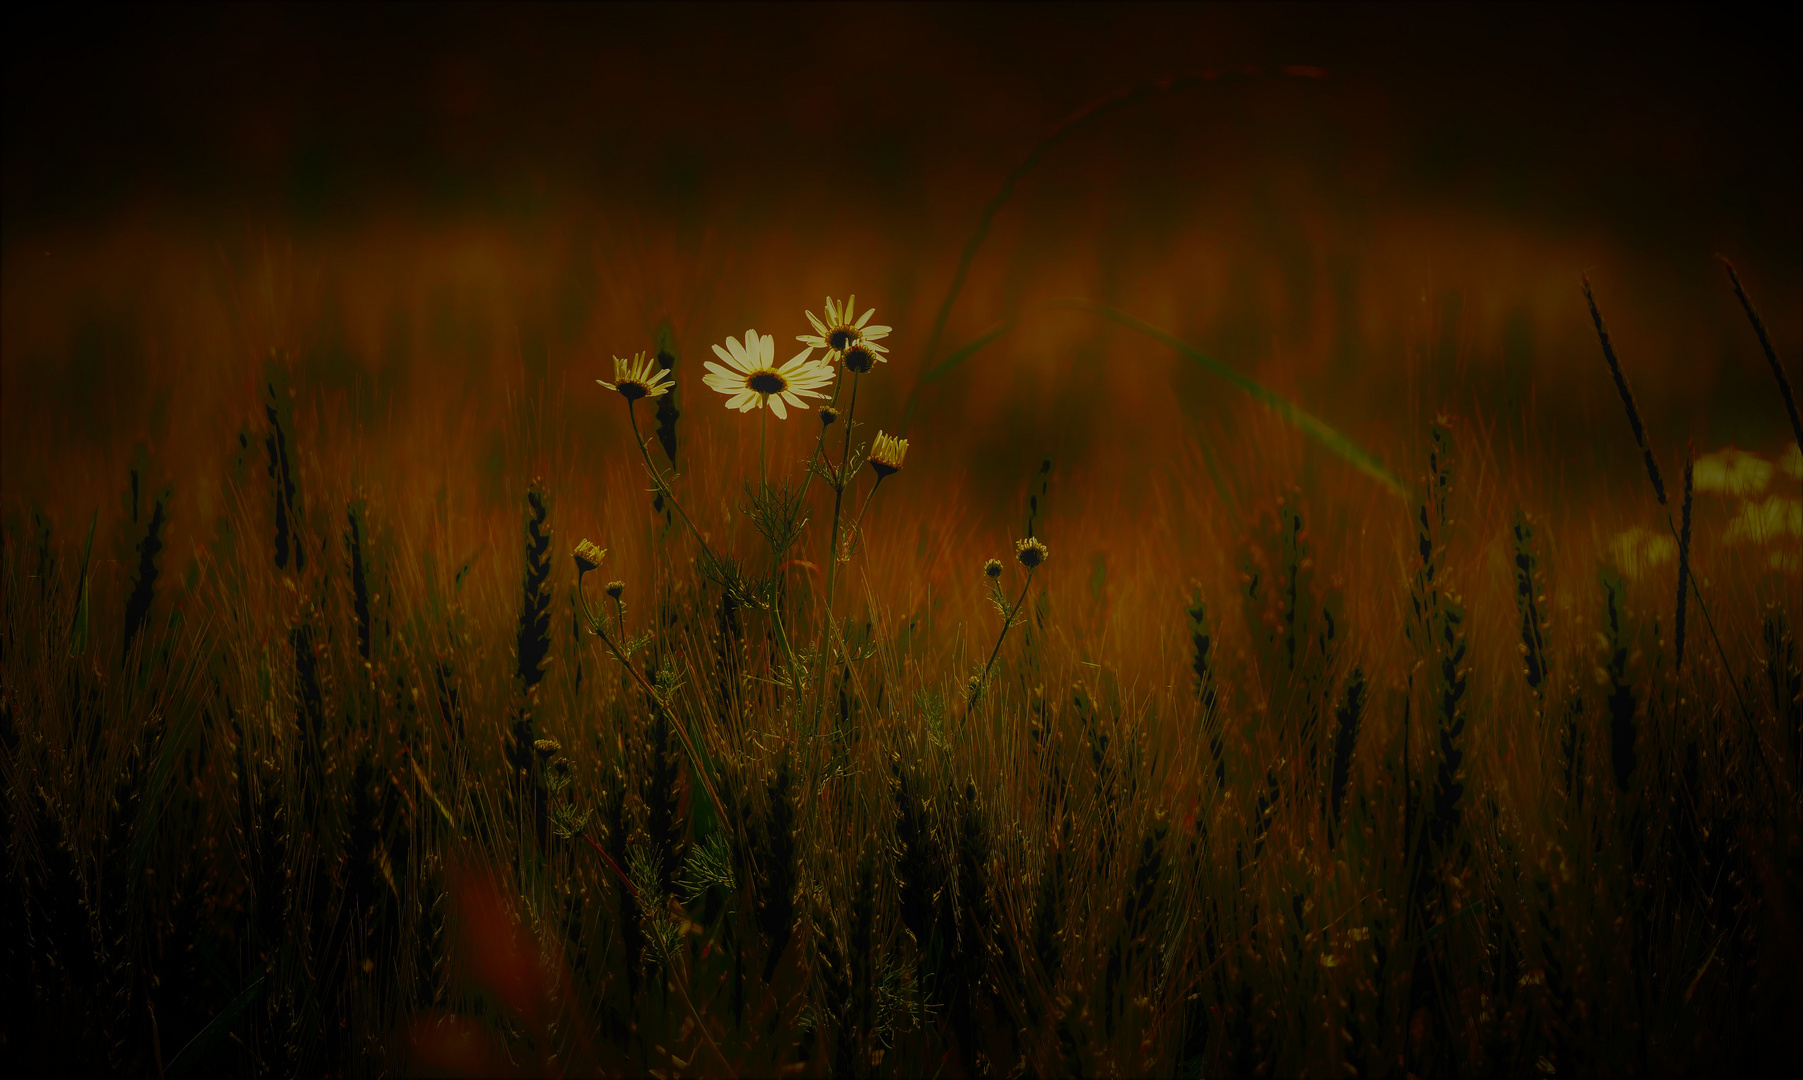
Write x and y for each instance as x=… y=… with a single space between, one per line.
x=976 y=691
x=598 y=629
x=830 y=631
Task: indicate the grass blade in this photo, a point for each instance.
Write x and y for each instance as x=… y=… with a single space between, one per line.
x=1355 y=455
x=968 y=351
x=202 y=1044
x=1088 y=114
x=78 y=629
x=1771 y=354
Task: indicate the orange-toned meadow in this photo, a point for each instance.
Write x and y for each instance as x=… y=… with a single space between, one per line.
x=314 y=761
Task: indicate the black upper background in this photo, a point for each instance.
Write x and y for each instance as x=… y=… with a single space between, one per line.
x=320 y=114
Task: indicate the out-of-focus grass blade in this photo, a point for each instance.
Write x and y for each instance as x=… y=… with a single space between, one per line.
x=1316 y=428
x=951 y=362
x=426 y=785
x=196 y=1050
x=967 y=351
x=78 y=630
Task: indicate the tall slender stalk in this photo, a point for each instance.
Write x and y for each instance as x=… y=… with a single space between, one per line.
x=658 y=478
x=1771 y=354
x=829 y=632
x=1007 y=622
x=599 y=630
x=1627 y=400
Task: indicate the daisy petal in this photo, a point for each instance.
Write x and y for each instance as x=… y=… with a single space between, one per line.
x=860 y=323
x=775 y=401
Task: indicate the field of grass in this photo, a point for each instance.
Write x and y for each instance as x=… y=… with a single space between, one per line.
x=1320 y=666
x=1329 y=771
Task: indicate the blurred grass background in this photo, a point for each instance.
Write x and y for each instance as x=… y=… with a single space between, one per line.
x=442 y=212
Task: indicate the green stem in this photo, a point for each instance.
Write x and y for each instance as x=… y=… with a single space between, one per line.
x=1007 y=622
x=682 y=732
x=776 y=585
x=657 y=477
x=832 y=552
x=820 y=440
x=851 y=537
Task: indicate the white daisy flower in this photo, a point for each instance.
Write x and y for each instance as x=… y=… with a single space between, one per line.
x=752 y=377
x=633 y=379
x=840 y=333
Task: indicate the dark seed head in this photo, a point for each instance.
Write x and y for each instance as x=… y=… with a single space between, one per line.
x=858 y=359
x=842 y=337
x=766 y=382
x=632 y=391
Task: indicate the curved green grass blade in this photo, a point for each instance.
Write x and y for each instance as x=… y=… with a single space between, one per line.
x=1313 y=426
x=78 y=630
x=967 y=351
x=202 y=1044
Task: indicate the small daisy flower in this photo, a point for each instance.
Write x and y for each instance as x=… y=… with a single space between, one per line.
x=992 y=569
x=588 y=556
x=886 y=454
x=633 y=379
x=1030 y=552
x=616 y=589
x=752 y=378
x=828 y=414
x=840 y=332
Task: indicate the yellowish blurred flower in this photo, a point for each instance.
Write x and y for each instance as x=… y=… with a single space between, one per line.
x=1640 y=549
x=1776 y=518
x=1732 y=472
